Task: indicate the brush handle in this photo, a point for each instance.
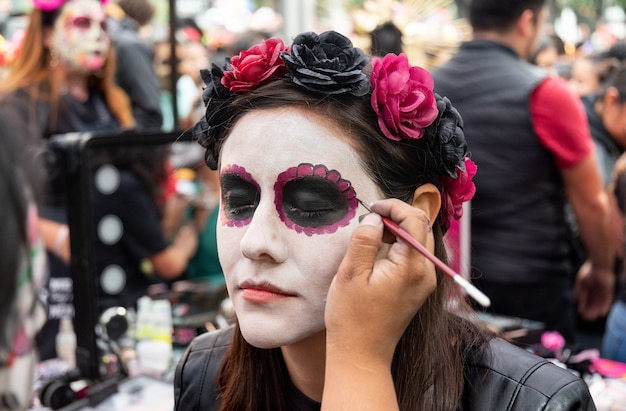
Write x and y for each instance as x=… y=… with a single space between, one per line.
x=471 y=290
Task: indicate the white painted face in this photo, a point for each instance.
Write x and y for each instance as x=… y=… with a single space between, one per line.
x=288 y=208
x=80 y=38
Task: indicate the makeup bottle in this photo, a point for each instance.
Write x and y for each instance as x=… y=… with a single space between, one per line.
x=65 y=342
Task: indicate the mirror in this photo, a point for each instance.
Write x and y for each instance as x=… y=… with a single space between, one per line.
x=129 y=196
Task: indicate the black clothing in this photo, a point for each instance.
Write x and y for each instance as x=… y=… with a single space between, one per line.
x=504 y=377
x=35 y=121
x=620 y=196
x=607 y=149
x=135 y=72
x=520 y=235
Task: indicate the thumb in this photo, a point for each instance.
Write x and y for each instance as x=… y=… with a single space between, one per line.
x=363 y=248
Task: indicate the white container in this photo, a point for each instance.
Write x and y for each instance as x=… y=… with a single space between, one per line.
x=65 y=342
x=155 y=357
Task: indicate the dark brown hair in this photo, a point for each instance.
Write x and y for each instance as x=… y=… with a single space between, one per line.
x=428 y=362
x=498 y=15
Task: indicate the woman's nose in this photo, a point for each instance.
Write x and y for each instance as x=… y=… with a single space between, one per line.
x=265 y=235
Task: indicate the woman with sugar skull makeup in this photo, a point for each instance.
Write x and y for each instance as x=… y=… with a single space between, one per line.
x=332 y=311
x=62 y=81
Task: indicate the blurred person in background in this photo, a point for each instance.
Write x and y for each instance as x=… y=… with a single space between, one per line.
x=135 y=59
x=529 y=133
x=606 y=113
x=590 y=72
x=62 y=81
x=546 y=54
x=614 y=336
x=386 y=38
x=24 y=269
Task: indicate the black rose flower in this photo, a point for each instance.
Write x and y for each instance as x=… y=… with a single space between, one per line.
x=447 y=141
x=213 y=97
x=213 y=85
x=327 y=63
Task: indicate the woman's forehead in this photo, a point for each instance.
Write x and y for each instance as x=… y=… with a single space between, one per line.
x=87 y=8
x=279 y=138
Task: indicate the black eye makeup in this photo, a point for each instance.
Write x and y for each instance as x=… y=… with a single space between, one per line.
x=240 y=195
x=314 y=200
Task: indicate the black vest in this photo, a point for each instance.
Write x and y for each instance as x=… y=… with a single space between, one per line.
x=519 y=232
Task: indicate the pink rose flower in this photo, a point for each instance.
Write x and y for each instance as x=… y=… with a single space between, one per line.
x=457 y=191
x=552 y=340
x=256 y=66
x=403 y=97
x=48 y=5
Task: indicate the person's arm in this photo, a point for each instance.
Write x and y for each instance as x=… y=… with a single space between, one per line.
x=361 y=338
x=171 y=262
x=561 y=124
x=56 y=238
x=595 y=281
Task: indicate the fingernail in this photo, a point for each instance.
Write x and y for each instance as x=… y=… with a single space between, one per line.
x=370 y=219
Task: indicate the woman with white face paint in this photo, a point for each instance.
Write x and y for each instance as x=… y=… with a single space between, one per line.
x=334 y=312
x=62 y=81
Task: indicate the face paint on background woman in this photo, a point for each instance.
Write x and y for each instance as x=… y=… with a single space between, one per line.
x=79 y=37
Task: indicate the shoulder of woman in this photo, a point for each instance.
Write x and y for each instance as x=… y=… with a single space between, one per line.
x=196 y=372
x=521 y=377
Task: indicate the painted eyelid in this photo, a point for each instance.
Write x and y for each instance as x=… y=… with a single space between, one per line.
x=319 y=170
x=239 y=173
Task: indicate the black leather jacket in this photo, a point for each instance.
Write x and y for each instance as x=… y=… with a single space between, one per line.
x=508 y=378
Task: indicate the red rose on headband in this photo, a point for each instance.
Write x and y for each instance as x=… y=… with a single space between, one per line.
x=49 y=5
x=457 y=191
x=403 y=97
x=255 y=66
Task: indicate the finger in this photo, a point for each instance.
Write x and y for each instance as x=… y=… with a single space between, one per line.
x=408 y=217
x=363 y=248
x=411 y=219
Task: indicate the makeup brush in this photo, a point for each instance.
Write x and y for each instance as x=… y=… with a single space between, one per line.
x=404 y=235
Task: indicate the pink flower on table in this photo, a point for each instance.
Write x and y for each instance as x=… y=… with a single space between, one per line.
x=402 y=97
x=553 y=341
x=256 y=66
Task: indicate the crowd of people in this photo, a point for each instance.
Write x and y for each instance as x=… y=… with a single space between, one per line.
x=293 y=137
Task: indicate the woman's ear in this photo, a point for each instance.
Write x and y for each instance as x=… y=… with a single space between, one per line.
x=428 y=198
x=611 y=97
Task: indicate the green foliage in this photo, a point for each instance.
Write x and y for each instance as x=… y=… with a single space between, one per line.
x=589 y=8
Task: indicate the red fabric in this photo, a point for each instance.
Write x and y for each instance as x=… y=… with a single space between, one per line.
x=169 y=185
x=560 y=122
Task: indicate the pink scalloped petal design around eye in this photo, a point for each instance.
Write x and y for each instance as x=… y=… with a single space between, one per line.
x=302 y=170
x=319 y=170
x=246 y=176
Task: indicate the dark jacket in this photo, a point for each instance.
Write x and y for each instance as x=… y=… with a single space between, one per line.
x=503 y=378
x=518 y=210
x=135 y=72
